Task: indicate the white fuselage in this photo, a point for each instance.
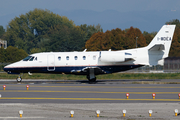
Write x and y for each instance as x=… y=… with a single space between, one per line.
x=99 y=62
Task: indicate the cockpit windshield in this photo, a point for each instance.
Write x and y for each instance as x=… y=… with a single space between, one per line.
x=30 y=58
x=27 y=58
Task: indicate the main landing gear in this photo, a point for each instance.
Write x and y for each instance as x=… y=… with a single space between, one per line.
x=91 y=76
x=92 y=79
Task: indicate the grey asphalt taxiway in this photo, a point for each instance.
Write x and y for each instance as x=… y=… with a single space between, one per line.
x=54 y=100
x=102 y=92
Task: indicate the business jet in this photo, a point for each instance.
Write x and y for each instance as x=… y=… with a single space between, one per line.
x=97 y=62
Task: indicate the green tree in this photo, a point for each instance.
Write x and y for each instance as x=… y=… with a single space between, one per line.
x=2 y=55
x=174 y=22
x=14 y=54
x=63 y=38
x=149 y=36
x=11 y=54
x=37 y=50
x=27 y=31
x=89 y=30
x=175 y=47
x=2 y=31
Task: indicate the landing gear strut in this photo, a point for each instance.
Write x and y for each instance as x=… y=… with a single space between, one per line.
x=91 y=76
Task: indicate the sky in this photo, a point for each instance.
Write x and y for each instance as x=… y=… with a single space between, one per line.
x=8 y=7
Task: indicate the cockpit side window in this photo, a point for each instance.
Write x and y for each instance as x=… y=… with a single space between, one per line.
x=27 y=58
x=31 y=59
x=35 y=59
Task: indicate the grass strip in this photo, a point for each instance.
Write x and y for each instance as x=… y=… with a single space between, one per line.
x=113 y=76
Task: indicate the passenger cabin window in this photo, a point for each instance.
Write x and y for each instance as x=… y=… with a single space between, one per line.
x=59 y=58
x=67 y=57
x=94 y=57
x=75 y=57
x=27 y=58
x=84 y=57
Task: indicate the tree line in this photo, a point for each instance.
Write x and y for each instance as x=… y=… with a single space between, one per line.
x=11 y=54
x=118 y=39
x=43 y=31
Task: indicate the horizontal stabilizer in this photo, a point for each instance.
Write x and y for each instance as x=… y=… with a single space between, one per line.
x=157 y=47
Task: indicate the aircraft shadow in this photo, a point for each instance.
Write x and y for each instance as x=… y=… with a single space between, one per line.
x=136 y=81
x=117 y=81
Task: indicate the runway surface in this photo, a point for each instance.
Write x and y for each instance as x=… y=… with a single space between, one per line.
x=110 y=92
x=54 y=99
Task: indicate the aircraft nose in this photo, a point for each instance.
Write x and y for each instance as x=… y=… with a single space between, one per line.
x=12 y=68
x=9 y=69
x=5 y=68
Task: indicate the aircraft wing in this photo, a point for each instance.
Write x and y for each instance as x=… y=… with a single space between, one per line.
x=86 y=70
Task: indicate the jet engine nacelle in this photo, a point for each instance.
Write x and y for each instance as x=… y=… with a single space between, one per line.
x=112 y=56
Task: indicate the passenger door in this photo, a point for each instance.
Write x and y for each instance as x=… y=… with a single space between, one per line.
x=50 y=62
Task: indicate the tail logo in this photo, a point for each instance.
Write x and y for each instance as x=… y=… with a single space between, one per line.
x=164 y=38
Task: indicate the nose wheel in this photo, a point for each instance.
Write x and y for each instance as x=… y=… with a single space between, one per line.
x=19 y=79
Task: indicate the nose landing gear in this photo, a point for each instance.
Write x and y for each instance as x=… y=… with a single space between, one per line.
x=19 y=79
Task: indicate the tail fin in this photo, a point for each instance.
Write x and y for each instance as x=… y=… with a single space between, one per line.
x=159 y=47
x=163 y=39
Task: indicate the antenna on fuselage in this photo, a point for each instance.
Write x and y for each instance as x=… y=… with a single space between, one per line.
x=84 y=50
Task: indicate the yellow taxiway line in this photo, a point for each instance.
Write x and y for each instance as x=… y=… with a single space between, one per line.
x=93 y=86
x=21 y=98
x=89 y=92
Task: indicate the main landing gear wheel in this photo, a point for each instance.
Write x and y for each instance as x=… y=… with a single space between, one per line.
x=19 y=79
x=91 y=76
x=92 y=80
